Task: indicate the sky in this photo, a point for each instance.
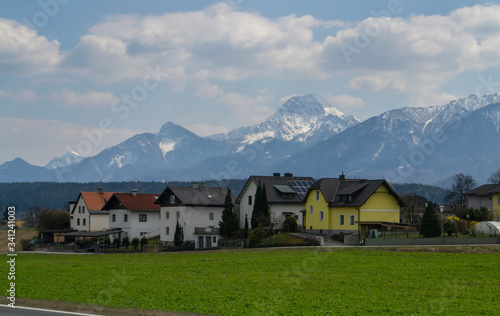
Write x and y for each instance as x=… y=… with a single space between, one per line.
x=85 y=75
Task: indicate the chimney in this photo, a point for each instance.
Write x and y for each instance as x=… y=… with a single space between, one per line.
x=194 y=184
x=100 y=190
x=342 y=176
x=134 y=192
x=204 y=184
x=276 y=174
x=288 y=175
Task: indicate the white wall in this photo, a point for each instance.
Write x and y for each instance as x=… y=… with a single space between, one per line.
x=133 y=227
x=190 y=217
x=478 y=201
x=245 y=208
x=80 y=216
x=98 y=222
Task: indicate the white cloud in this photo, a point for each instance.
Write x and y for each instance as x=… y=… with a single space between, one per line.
x=22 y=95
x=24 y=52
x=48 y=139
x=345 y=101
x=86 y=99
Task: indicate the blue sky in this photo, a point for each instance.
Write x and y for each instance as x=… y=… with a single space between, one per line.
x=98 y=72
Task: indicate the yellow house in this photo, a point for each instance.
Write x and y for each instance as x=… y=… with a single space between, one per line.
x=487 y=195
x=351 y=205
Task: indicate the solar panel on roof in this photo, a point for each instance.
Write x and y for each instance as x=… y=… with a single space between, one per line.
x=283 y=188
x=301 y=187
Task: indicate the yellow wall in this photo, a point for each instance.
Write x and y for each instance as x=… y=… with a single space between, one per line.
x=496 y=207
x=381 y=207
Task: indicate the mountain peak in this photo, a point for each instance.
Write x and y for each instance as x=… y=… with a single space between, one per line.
x=173 y=131
x=303 y=106
x=64 y=161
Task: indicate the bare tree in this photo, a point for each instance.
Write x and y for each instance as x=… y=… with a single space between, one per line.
x=413 y=206
x=461 y=184
x=33 y=217
x=495 y=177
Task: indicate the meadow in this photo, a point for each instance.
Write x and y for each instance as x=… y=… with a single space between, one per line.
x=257 y=282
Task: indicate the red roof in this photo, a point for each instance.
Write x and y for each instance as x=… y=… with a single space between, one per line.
x=130 y=201
x=95 y=200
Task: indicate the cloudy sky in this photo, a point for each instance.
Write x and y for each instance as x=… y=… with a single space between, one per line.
x=103 y=71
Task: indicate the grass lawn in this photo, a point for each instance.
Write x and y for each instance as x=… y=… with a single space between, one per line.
x=350 y=281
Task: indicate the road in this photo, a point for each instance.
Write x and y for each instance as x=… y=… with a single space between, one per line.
x=28 y=311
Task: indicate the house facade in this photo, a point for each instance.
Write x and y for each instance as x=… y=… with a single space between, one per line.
x=193 y=207
x=285 y=195
x=351 y=206
x=86 y=213
x=487 y=195
x=135 y=214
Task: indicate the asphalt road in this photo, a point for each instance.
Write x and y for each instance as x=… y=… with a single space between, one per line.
x=28 y=311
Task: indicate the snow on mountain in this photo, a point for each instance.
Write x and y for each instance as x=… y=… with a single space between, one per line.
x=64 y=161
x=300 y=119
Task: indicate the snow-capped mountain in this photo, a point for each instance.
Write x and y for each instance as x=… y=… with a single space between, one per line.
x=407 y=145
x=300 y=119
x=64 y=161
x=304 y=136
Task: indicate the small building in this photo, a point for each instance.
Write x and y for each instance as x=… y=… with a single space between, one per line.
x=351 y=206
x=285 y=195
x=487 y=195
x=86 y=213
x=136 y=214
x=206 y=237
x=191 y=206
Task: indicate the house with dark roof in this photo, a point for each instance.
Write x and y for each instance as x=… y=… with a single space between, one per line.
x=136 y=214
x=335 y=205
x=196 y=208
x=487 y=195
x=86 y=213
x=285 y=195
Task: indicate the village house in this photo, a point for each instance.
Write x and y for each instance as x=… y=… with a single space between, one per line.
x=487 y=195
x=351 y=206
x=196 y=208
x=134 y=213
x=285 y=195
x=86 y=213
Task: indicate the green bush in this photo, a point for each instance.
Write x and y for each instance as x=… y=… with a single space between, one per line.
x=135 y=243
x=144 y=242
x=125 y=242
x=257 y=235
x=450 y=227
x=290 y=225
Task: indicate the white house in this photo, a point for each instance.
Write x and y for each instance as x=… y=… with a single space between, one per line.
x=135 y=214
x=86 y=213
x=285 y=195
x=193 y=207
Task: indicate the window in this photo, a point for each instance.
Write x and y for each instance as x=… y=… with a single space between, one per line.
x=177 y=215
x=113 y=218
x=143 y=234
x=341 y=219
x=317 y=195
x=83 y=209
x=310 y=209
x=214 y=239
x=125 y=217
x=351 y=220
x=167 y=231
x=84 y=222
x=249 y=200
x=79 y=209
x=211 y=216
x=78 y=221
x=143 y=217
x=320 y=215
x=172 y=199
x=167 y=215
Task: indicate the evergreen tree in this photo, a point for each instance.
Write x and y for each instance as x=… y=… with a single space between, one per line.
x=265 y=207
x=257 y=208
x=431 y=223
x=178 y=235
x=246 y=225
x=126 y=242
x=135 y=243
x=230 y=223
x=144 y=242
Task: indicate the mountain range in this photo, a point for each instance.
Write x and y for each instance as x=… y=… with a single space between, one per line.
x=306 y=136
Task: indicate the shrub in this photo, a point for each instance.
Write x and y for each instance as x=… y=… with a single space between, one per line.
x=290 y=224
x=135 y=243
x=116 y=242
x=461 y=226
x=125 y=242
x=144 y=242
x=430 y=226
x=450 y=227
x=257 y=235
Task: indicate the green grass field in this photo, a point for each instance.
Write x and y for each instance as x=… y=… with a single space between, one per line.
x=292 y=282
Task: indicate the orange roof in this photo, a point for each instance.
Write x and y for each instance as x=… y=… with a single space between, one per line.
x=95 y=200
x=128 y=201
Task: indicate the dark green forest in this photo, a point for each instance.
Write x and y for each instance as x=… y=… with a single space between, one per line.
x=56 y=195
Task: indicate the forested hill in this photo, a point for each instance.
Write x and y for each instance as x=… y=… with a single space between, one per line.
x=430 y=192
x=56 y=195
